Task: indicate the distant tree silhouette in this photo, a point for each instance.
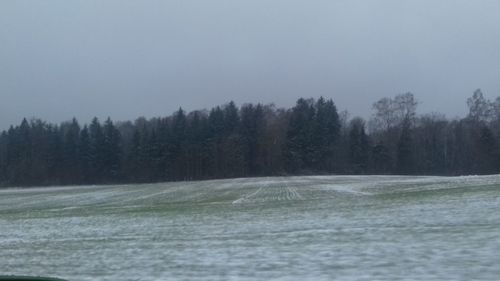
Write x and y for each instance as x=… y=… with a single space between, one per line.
x=254 y=140
x=359 y=147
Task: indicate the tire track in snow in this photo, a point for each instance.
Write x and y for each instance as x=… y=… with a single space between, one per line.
x=247 y=197
x=295 y=195
x=269 y=191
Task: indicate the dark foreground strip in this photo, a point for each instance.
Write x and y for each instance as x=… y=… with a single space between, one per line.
x=28 y=278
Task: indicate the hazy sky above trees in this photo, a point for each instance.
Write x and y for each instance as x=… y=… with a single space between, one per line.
x=125 y=59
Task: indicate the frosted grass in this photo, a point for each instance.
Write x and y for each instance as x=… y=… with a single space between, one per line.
x=293 y=228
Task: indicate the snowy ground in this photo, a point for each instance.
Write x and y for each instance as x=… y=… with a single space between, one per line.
x=294 y=228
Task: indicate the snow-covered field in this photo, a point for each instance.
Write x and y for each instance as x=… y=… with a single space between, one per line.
x=294 y=228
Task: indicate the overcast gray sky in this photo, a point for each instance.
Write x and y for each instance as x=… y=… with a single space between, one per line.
x=124 y=59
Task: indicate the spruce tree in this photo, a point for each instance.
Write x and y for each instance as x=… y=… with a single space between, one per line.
x=96 y=151
x=111 y=150
x=84 y=155
x=71 y=135
x=359 y=147
x=299 y=137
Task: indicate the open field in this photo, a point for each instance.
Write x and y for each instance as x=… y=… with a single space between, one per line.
x=295 y=228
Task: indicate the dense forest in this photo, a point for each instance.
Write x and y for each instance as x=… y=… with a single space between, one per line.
x=255 y=140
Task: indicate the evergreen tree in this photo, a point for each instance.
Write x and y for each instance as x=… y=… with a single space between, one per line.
x=216 y=132
x=111 y=151
x=252 y=131
x=326 y=130
x=84 y=155
x=138 y=162
x=299 y=136
x=196 y=156
x=178 y=145
x=96 y=151
x=231 y=118
x=3 y=158
x=19 y=144
x=71 y=135
x=359 y=146
x=54 y=155
x=233 y=161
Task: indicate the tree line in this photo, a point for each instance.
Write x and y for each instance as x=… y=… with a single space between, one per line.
x=255 y=140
